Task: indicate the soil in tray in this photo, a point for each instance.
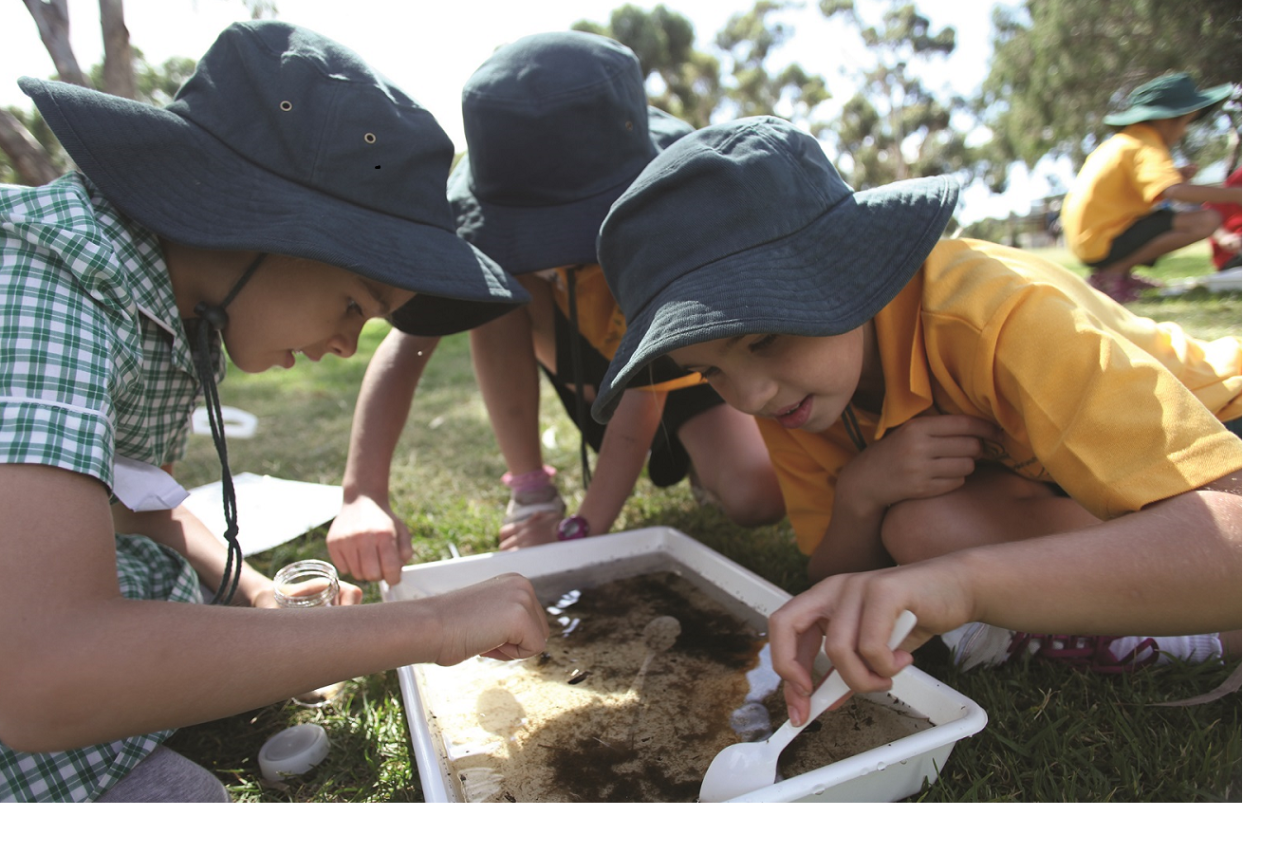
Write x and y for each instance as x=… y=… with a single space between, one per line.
x=616 y=711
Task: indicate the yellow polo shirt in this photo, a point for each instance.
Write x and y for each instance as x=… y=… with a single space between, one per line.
x=1118 y=185
x=600 y=320
x=1118 y=410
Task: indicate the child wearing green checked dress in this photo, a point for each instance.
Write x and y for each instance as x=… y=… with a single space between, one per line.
x=187 y=229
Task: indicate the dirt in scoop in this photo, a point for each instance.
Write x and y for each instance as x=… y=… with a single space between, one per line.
x=639 y=688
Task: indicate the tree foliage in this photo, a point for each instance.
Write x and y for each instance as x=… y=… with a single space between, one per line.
x=1059 y=66
x=702 y=87
x=663 y=41
x=894 y=127
x=29 y=152
x=747 y=40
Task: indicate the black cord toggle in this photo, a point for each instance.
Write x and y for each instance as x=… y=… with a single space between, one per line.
x=214 y=315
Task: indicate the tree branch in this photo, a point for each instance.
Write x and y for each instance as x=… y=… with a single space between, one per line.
x=117 y=59
x=55 y=31
x=28 y=157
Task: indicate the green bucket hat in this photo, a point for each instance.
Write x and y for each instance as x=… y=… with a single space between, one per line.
x=557 y=126
x=1168 y=97
x=285 y=142
x=745 y=228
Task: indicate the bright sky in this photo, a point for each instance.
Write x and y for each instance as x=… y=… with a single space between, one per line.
x=430 y=48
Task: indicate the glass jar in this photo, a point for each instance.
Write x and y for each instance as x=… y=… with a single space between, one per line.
x=309 y=584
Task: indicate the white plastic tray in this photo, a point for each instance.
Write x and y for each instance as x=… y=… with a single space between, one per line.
x=887 y=773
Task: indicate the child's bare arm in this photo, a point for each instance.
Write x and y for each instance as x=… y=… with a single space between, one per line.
x=1200 y=193
x=182 y=531
x=367 y=540
x=153 y=665
x=613 y=479
x=1172 y=568
x=622 y=456
x=929 y=455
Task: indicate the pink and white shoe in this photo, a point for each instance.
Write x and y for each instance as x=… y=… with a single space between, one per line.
x=978 y=644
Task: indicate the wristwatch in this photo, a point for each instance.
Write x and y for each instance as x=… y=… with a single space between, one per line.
x=573 y=528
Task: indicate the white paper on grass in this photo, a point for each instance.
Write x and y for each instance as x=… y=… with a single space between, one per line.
x=270 y=511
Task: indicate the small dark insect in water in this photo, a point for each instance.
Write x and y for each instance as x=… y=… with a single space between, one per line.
x=579 y=676
x=543 y=658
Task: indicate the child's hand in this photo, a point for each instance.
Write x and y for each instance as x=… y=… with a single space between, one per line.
x=499 y=618
x=930 y=455
x=1229 y=240
x=856 y=612
x=369 y=542
x=534 y=530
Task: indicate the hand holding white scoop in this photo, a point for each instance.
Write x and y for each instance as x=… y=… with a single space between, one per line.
x=743 y=768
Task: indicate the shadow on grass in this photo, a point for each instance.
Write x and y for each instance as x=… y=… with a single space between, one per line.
x=1057 y=734
x=370 y=754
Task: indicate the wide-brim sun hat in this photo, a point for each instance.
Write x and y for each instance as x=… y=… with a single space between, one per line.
x=1168 y=97
x=746 y=228
x=557 y=126
x=285 y=142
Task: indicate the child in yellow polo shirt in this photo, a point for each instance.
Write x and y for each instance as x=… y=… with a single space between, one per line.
x=1029 y=454
x=1113 y=218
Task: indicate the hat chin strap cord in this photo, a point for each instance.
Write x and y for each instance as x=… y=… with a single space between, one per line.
x=850 y=420
x=210 y=319
x=575 y=350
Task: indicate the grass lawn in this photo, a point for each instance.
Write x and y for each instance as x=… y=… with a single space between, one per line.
x=1054 y=734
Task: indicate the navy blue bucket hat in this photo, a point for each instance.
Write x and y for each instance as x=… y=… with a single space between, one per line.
x=557 y=126
x=288 y=143
x=746 y=228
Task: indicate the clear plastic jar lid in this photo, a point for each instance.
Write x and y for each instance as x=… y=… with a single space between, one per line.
x=293 y=752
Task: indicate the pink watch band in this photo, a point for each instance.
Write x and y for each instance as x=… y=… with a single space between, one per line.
x=573 y=527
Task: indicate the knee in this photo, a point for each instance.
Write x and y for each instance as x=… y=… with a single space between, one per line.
x=918 y=529
x=1203 y=223
x=924 y=528
x=753 y=500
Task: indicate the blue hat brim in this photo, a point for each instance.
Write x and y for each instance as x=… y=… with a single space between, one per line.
x=181 y=182
x=826 y=279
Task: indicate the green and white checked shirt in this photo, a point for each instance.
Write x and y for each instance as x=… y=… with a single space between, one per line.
x=93 y=365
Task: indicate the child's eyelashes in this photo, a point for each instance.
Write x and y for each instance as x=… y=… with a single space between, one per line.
x=762 y=343
x=708 y=373
x=354 y=308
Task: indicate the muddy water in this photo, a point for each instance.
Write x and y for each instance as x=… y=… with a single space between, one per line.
x=642 y=683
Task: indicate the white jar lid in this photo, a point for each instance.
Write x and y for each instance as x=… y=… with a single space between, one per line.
x=293 y=752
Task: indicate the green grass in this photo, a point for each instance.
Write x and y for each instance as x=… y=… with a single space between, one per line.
x=1054 y=734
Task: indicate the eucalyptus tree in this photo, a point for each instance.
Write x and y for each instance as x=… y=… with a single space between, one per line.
x=29 y=153
x=894 y=126
x=1059 y=66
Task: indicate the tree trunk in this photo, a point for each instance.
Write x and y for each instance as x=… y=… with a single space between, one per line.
x=55 y=31
x=117 y=60
x=27 y=156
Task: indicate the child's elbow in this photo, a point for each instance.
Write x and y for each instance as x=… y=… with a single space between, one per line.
x=33 y=710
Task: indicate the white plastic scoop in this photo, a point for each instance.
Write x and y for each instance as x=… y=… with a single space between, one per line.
x=743 y=768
